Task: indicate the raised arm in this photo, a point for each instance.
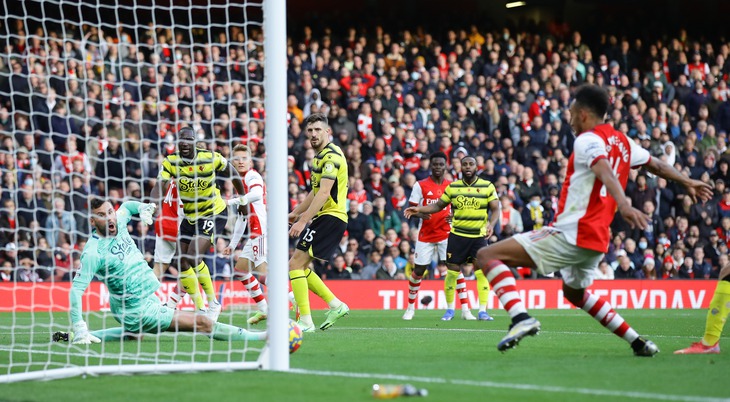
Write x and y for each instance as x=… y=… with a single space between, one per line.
x=695 y=188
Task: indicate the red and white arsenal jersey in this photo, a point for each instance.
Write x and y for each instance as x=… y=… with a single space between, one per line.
x=586 y=210
x=427 y=192
x=364 y=124
x=168 y=222
x=257 y=209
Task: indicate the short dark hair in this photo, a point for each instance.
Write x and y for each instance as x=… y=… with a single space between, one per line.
x=438 y=154
x=468 y=157
x=592 y=98
x=96 y=202
x=185 y=130
x=315 y=118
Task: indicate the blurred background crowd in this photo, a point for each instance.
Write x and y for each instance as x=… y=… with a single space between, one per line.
x=89 y=110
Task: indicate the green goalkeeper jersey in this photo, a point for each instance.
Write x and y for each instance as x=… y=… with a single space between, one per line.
x=119 y=264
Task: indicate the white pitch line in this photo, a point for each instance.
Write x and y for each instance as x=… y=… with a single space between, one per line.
x=516 y=386
x=95 y=356
x=497 y=331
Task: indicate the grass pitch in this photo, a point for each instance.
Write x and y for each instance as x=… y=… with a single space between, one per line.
x=573 y=359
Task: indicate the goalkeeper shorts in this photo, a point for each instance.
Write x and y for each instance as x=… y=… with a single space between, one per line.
x=150 y=317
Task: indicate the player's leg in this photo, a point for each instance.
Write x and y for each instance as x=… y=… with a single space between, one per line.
x=494 y=260
x=463 y=296
x=164 y=253
x=320 y=240
x=574 y=283
x=185 y=321
x=188 y=277
x=717 y=315
x=299 y=286
x=425 y=253
x=481 y=279
x=483 y=293
x=456 y=253
x=208 y=229
x=253 y=254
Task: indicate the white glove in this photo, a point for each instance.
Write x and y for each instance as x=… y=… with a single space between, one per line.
x=242 y=201
x=82 y=335
x=146 y=212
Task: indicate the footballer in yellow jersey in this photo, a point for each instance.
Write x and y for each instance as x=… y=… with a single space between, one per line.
x=195 y=172
x=475 y=208
x=326 y=207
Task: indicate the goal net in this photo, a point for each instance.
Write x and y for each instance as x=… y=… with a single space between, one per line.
x=92 y=95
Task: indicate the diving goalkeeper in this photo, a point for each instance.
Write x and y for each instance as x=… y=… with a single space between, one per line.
x=113 y=257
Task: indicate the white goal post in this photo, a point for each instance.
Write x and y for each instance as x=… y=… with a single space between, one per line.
x=216 y=65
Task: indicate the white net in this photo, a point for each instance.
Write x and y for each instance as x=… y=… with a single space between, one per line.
x=91 y=99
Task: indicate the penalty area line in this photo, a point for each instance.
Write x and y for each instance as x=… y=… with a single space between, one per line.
x=515 y=386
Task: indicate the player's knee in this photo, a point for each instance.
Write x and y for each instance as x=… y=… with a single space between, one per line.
x=204 y=324
x=484 y=255
x=574 y=296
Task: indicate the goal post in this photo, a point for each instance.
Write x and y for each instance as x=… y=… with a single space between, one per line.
x=120 y=77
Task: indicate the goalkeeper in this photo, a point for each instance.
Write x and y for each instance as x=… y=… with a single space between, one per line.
x=113 y=257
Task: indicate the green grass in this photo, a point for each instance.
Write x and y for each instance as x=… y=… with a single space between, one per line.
x=573 y=359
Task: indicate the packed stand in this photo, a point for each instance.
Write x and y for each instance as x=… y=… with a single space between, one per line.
x=79 y=104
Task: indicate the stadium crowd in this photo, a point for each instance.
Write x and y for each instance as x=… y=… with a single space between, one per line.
x=83 y=111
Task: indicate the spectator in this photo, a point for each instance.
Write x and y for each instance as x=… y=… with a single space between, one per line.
x=626 y=269
x=533 y=214
x=382 y=219
x=389 y=270
x=60 y=225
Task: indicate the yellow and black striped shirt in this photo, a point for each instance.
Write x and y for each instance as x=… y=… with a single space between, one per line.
x=196 y=182
x=330 y=163
x=470 y=204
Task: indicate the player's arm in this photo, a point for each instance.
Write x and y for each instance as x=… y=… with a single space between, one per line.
x=303 y=206
x=425 y=209
x=222 y=165
x=163 y=180
x=695 y=188
x=81 y=281
x=255 y=192
x=494 y=213
x=633 y=216
x=416 y=199
x=238 y=229
x=325 y=187
x=129 y=208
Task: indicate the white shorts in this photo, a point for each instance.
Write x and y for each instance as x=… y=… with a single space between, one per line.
x=427 y=252
x=551 y=252
x=164 y=250
x=255 y=250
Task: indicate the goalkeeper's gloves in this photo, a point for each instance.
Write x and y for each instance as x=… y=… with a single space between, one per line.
x=240 y=201
x=82 y=335
x=147 y=212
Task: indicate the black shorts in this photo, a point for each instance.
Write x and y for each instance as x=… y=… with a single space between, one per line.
x=208 y=226
x=462 y=250
x=322 y=238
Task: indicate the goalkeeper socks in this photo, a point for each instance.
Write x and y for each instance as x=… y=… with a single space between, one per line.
x=301 y=290
x=505 y=287
x=717 y=313
x=225 y=332
x=206 y=282
x=461 y=291
x=450 y=288
x=414 y=285
x=602 y=311
x=111 y=334
x=482 y=289
x=315 y=284
x=189 y=282
x=254 y=290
